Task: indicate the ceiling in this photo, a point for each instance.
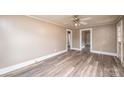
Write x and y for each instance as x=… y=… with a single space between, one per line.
x=65 y=20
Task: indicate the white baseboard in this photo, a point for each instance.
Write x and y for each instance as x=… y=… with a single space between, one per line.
x=104 y=53
x=51 y=55
x=18 y=66
x=76 y=49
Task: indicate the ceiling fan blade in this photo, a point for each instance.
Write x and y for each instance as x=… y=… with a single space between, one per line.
x=84 y=23
x=75 y=17
x=87 y=18
x=72 y=19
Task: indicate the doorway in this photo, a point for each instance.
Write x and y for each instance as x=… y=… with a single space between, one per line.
x=68 y=39
x=120 y=48
x=86 y=39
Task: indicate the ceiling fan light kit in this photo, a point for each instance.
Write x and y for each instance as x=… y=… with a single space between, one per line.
x=76 y=24
x=78 y=21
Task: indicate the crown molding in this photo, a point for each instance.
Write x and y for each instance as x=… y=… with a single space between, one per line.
x=49 y=21
x=102 y=24
x=118 y=19
x=95 y=25
x=45 y=20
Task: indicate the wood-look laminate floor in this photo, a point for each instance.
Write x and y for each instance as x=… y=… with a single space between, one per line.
x=74 y=64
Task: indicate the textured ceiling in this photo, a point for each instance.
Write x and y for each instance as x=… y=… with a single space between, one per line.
x=65 y=20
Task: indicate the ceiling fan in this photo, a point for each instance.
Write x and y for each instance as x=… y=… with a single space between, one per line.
x=78 y=21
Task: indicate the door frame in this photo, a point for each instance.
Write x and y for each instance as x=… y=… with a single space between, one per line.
x=67 y=39
x=81 y=30
x=121 y=28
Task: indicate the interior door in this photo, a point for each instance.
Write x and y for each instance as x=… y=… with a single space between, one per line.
x=69 y=39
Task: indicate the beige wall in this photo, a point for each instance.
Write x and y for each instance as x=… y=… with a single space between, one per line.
x=23 y=38
x=104 y=38
x=85 y=37
x=75 y=39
